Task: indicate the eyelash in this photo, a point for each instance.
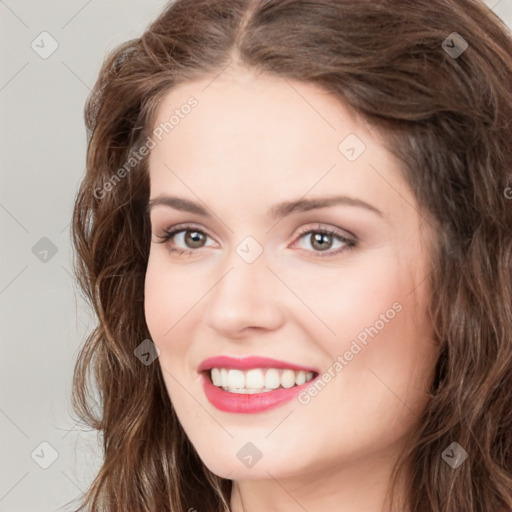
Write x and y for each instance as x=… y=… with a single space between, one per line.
x=170 y=233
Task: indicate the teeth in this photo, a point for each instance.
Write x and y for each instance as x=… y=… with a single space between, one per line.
x=288 y=379
x=254 y=379
x=300 y=378
x=272 y=380
x=258 y=380
x=224 y=377
x=236 y=379
x=216 y=378
x=247 y=391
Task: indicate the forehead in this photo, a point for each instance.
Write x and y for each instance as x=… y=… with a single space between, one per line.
x=261 y=137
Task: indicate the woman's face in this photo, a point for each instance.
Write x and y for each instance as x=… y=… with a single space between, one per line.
x=303 y=247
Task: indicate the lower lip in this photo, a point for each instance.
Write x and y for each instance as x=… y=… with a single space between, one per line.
x=249 y=404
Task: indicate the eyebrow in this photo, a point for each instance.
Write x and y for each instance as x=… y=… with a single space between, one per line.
x=279 y=210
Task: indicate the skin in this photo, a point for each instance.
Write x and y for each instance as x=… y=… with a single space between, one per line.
x=252 y=142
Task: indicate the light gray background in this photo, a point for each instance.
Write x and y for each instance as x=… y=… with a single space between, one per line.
x=43 y=319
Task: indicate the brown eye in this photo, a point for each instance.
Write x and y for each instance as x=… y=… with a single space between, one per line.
x=184 y=239
x=321 y=241
x=194 y=239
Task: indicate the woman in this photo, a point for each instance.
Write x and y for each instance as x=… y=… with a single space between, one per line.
x=296 y=234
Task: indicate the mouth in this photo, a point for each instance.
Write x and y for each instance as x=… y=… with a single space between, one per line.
x=253 y=384
x=257 y=380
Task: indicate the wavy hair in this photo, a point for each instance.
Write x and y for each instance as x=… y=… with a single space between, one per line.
x=448 y=118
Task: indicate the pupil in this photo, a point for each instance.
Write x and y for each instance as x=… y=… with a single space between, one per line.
x=320 y=238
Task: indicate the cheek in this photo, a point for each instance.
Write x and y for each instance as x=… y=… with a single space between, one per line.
x=155 y=303
x=162 y=311
x=375 y=327
x=172 y=304
x=160 y=305
x=347 y=299
x=167 y=295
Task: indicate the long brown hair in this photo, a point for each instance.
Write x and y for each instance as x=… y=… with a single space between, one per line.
x=447 y=116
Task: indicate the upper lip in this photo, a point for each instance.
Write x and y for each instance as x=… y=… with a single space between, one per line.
x=245 y=363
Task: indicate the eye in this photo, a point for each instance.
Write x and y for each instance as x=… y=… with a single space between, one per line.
x=322 y=240
x=189 y=237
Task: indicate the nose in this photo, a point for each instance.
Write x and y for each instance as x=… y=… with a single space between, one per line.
x=244 y=298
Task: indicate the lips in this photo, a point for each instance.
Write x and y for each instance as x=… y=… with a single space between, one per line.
x=247 y=363
x=252 y=384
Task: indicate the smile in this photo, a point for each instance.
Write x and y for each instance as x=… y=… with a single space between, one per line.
x=253 y=384
x=258 y=380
